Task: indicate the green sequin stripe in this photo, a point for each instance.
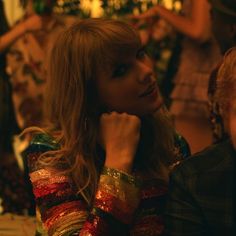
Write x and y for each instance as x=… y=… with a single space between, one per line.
x=117 y=174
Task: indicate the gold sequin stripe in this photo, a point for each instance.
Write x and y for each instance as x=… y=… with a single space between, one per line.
x=69 y=222
x=54 y=213
x=41 y=174
x=53 y=180
x=117 y=174
x=124 y=191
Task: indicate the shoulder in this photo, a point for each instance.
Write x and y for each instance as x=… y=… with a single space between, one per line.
x=214 y=158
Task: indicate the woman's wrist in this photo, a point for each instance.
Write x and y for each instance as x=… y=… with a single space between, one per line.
x=122 y=162
x=122 y=175
x=118 y=194
x=123 y=168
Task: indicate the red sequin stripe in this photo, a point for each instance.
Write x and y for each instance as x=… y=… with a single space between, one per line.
x=95 y=226
x=41 y=191
x=78 y=204
x=119 y=209
x=56 y=212
x=50 y=200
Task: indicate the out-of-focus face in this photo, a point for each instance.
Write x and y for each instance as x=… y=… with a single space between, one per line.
x=232 y=122
x=130 y=86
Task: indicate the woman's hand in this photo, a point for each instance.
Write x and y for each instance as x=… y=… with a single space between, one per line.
x=150 y=13
x=119 y=135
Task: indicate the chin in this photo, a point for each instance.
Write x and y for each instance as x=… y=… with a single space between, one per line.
x=155 y=109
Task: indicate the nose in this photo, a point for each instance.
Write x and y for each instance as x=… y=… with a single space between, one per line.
x=145 y=71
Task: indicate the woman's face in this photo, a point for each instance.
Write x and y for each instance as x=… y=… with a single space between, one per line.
x=130 y=86
x=232 y=122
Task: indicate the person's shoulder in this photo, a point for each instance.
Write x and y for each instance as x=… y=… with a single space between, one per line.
x=209 y=159
x=42 y=142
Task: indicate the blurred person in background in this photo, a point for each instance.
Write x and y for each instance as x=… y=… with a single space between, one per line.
x=12 y=185
x=200 y=54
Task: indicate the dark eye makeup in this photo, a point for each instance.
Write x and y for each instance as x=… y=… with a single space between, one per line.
x=120 y=70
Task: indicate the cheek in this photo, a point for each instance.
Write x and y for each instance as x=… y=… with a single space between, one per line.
x=117 y=97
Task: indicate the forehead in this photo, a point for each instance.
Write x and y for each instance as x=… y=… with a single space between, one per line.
x=122 y=54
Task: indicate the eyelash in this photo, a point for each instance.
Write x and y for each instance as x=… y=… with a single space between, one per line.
x=120 y=71
x=141 y=53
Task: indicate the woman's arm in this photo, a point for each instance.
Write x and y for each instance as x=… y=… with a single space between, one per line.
x=32 y=23
x=197 y=26
x=64 y=212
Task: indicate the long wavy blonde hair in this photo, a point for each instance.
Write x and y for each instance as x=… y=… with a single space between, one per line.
x=73 y=109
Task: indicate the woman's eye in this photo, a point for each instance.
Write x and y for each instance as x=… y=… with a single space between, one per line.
x=120 y=71
x=141 y=53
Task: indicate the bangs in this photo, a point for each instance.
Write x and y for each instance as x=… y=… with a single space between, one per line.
x=100 y=44
x=116 y=43
x=119 y=50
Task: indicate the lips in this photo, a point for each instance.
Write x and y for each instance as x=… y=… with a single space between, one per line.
x=149 y=90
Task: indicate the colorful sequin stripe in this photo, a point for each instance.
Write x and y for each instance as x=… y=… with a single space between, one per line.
x=115 y=187
x=119 y=209
x=118 y=194
x=117 y=174
x=95 y=226
x=65 y=217
x=46 y=174
x=45 y=182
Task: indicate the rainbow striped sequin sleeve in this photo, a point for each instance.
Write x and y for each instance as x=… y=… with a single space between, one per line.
x=117 y=198
x=63 y=213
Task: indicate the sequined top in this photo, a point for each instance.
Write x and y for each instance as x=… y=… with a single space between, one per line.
x=122 y=205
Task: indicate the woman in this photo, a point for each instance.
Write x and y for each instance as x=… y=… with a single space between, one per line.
x=102 y=165
x=200 y=54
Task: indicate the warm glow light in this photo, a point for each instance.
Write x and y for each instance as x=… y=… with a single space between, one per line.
x=178 y=6
x=168 y=4
x=96 y=8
